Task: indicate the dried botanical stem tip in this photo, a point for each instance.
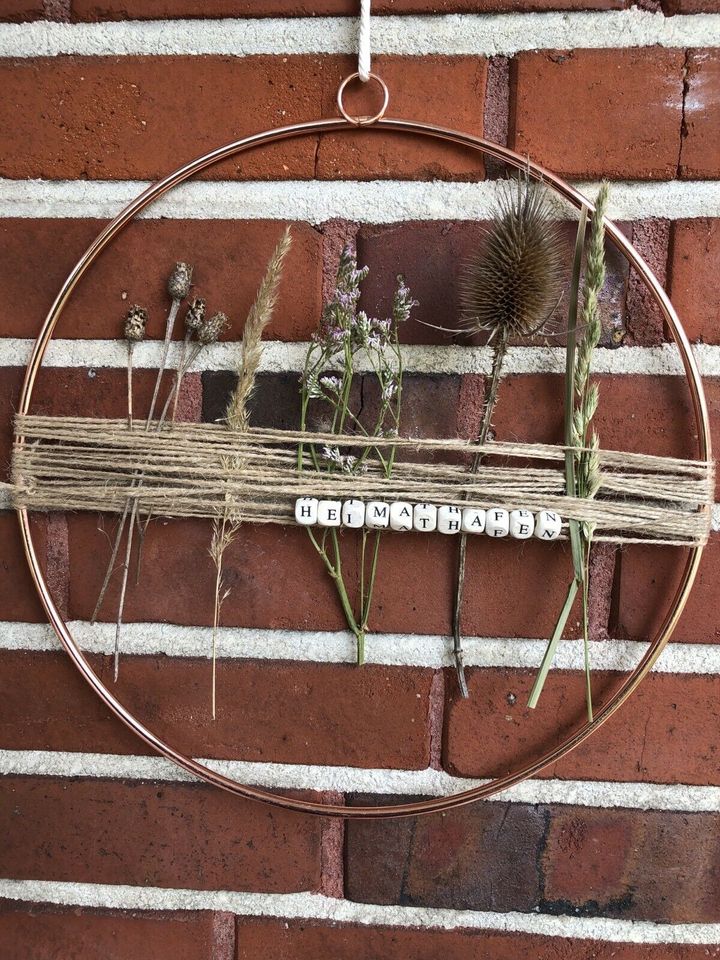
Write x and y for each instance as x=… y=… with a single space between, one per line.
x=212 y=328
x=135 y=324
x=195 y=315
x=179 y=281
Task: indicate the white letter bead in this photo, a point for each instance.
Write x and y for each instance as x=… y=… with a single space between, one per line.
x=497 y=522
x=449 y=519
x=306 y=511
x=377 y=515
x=473 y=520
x=425 y=517
x=547 y=525
x=353 y=513
x=329 y=512
x=522 y=524
x=401 y=516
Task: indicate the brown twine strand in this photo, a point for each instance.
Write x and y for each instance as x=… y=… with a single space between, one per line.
x=73 y=463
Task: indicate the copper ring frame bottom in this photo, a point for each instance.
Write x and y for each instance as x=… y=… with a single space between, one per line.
x=485 y=147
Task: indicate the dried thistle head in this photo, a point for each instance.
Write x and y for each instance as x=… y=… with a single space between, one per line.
x=212 y=328
x=135 y=323
x=195 y=315
x=179 y=281
x=513 y=286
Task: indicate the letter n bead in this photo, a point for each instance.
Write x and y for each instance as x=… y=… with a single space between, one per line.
x=353 y=514
x=547 y=525
x=497 y=522
x=377 y=515
x=306 y=511
x=401 y=516
x=522 y=524
x=449 y=519
x=329 y=513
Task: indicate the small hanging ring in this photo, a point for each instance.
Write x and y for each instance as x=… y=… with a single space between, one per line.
x=363 y=121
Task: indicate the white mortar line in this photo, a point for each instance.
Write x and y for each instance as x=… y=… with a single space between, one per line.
x=315 y=906
x=388 y=649
x=587 y=793
x=281 y=357
x=451 y=35
x=315 y=201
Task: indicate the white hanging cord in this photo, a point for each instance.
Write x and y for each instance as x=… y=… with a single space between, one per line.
x=364 y=41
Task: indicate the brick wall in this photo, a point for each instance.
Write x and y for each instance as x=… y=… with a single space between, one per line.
x=109 y=851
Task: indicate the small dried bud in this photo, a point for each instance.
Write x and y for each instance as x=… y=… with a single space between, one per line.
x=135 y=324
x=179 y=281
x=212 y=328
x=195 y=314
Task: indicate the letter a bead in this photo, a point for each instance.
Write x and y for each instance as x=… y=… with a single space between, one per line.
x=425 y=517
x=497 y=522
x=449 y=519
x=547 y=525
x=306 y=511
x=353 y=514
x=522 y=524
x=401 y=516
x=329 y=513
x=473 y=520
x=377 y=515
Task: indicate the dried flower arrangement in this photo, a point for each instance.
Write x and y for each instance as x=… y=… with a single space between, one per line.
x=346 y=332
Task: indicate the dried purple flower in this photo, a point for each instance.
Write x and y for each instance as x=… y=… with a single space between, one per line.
x=135 y=323
x=212 y=328
x=179 y=281
x=195 y=315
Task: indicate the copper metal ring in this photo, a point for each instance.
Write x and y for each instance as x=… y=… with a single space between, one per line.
x=692 y=374
x=363 y=121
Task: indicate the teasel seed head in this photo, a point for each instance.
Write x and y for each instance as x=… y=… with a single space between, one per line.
x=514 y=284
x=212 y=328
x=179 y=281
x=195 y=315
x=135 y=323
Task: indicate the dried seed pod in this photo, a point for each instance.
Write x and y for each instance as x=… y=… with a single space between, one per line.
x=195 y=315
x=212 y=328
x=179 y=281
x=514 y=285
x=135 y=323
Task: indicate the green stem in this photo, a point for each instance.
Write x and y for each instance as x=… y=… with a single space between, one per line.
x=552 y=645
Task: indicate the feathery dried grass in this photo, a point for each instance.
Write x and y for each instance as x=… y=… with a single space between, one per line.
x=513 y=286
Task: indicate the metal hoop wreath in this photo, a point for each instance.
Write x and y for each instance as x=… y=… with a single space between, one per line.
x=485 y=147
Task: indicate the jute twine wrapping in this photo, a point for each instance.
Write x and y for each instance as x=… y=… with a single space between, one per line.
x=197 y=470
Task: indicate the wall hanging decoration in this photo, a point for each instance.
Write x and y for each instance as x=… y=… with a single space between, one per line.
x=347 y=472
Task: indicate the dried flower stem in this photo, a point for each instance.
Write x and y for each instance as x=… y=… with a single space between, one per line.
x=131 y=346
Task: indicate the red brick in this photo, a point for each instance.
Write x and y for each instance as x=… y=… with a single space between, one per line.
x=648 y=581
x=18 y=597
x=671 y=7
x=700 y=152
x=58 y=109
x=480 y=857
x=646 y=324
x=22 y=9
x=666 y=732
x=158 y=835
x=271 y=711
x=144 y=10
x=307 y=940
x=229 y=257
x=44 y=932
x=449 y=91
x=10 y=382
x=600 y=113
x=649 y=865
x=694 y=267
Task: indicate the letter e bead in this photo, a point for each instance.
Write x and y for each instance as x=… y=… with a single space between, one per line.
x=449 y=519
x=377 y=515
x=425 y=517
x=353 y=514
x=401 y=516
x=547 y=525
x=522 y=524
x=306 y=511
x=497 y=522
x=329 y=512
